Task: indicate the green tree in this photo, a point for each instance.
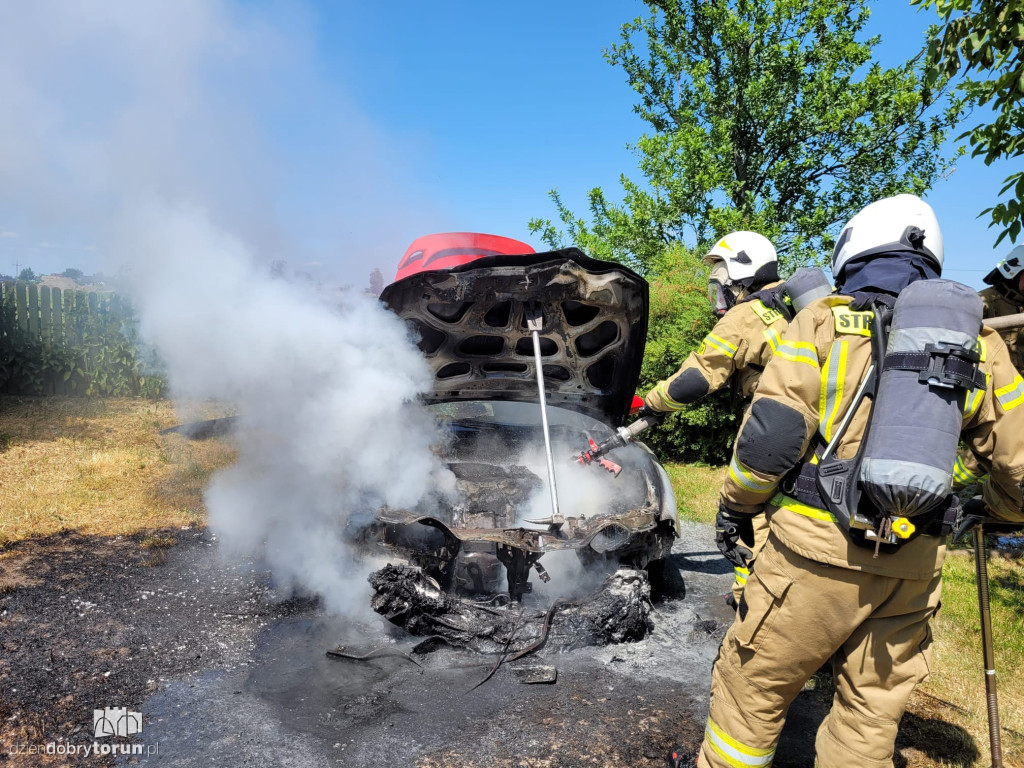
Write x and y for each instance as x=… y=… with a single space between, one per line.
x=765 y=115
x=27 y=275
x=74 y=274
x=987 y=37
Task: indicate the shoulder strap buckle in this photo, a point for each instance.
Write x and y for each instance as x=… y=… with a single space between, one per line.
x=941 y=365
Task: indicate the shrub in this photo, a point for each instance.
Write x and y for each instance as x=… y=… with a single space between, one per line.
x=95 y=350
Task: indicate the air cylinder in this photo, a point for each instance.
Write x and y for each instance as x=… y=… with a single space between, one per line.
x=918 y=411
x=805 y=285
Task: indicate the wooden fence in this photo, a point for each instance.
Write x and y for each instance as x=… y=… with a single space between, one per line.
x=55 y=341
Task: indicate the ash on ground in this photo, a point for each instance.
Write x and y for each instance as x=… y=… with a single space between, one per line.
x=225 y=673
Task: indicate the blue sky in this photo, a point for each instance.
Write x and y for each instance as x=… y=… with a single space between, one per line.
x=510 y=100
x=367 y=124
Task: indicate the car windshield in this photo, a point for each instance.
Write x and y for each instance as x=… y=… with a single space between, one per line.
x=512 y=413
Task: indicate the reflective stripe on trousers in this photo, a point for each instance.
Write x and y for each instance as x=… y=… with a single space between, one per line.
x=733 y=751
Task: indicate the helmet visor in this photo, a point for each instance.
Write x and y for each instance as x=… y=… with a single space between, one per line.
x=719 y=295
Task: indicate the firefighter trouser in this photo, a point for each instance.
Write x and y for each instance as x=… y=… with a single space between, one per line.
x=797 y=614
x=741 y=574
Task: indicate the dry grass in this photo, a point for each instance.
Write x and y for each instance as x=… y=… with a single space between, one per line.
x=157 y=542
x=100 y=466
x=949 y=709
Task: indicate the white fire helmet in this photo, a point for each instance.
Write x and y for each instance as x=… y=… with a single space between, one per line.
x=1005 y=278
x=739 y=260
x=748 y=257
x=900 y=224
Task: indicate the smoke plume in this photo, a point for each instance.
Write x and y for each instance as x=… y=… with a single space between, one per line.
x=325 y=387
x=153 y=131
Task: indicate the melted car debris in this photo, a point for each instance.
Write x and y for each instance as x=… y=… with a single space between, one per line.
x=618 y=612
x=502 y=335
x=467 y=545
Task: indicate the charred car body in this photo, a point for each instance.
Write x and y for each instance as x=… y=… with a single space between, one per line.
x=471 y=325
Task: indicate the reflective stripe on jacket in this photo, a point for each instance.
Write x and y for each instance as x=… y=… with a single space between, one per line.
x=830 y=355
x=741 y=343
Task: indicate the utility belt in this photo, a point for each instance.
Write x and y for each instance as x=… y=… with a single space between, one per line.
x=801 y=484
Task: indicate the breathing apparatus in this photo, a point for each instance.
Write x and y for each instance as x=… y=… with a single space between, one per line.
x=740 y=261
x=805 y=285
x=924 y=362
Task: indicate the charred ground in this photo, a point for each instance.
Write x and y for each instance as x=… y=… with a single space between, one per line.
x=227 y=673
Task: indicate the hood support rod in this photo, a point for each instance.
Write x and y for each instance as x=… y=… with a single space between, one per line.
x=534 y=323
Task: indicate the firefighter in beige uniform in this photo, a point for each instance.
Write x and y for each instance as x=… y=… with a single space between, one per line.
x=1005 y=297
x=821 y=588
x=746 y=294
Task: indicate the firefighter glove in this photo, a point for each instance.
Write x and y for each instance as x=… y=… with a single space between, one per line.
x=648 y=412
x=731 y=528
x=975 y=514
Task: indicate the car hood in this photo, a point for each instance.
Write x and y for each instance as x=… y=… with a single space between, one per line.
x=471 y=326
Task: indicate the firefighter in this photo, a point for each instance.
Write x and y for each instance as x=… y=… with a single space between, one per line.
x=824 y=586
x=1005 y=297
x=746 y=294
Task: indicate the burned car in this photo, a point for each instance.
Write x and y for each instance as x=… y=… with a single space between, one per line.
x=482 y=326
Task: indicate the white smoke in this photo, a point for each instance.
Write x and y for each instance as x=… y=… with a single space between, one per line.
x=154 y=131
x=583 y=491
x=149 y=129
x=325 y=387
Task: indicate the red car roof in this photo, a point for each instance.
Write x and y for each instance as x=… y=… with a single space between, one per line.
x=452 y=249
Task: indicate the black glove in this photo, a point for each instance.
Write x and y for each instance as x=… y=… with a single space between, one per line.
x=648 y=412
x=732 y=527
x=975 y=514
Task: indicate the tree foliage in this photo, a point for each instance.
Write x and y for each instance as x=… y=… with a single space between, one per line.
x=376 y=282
x=766 y=115
x=27 y=275
x=986 y=37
